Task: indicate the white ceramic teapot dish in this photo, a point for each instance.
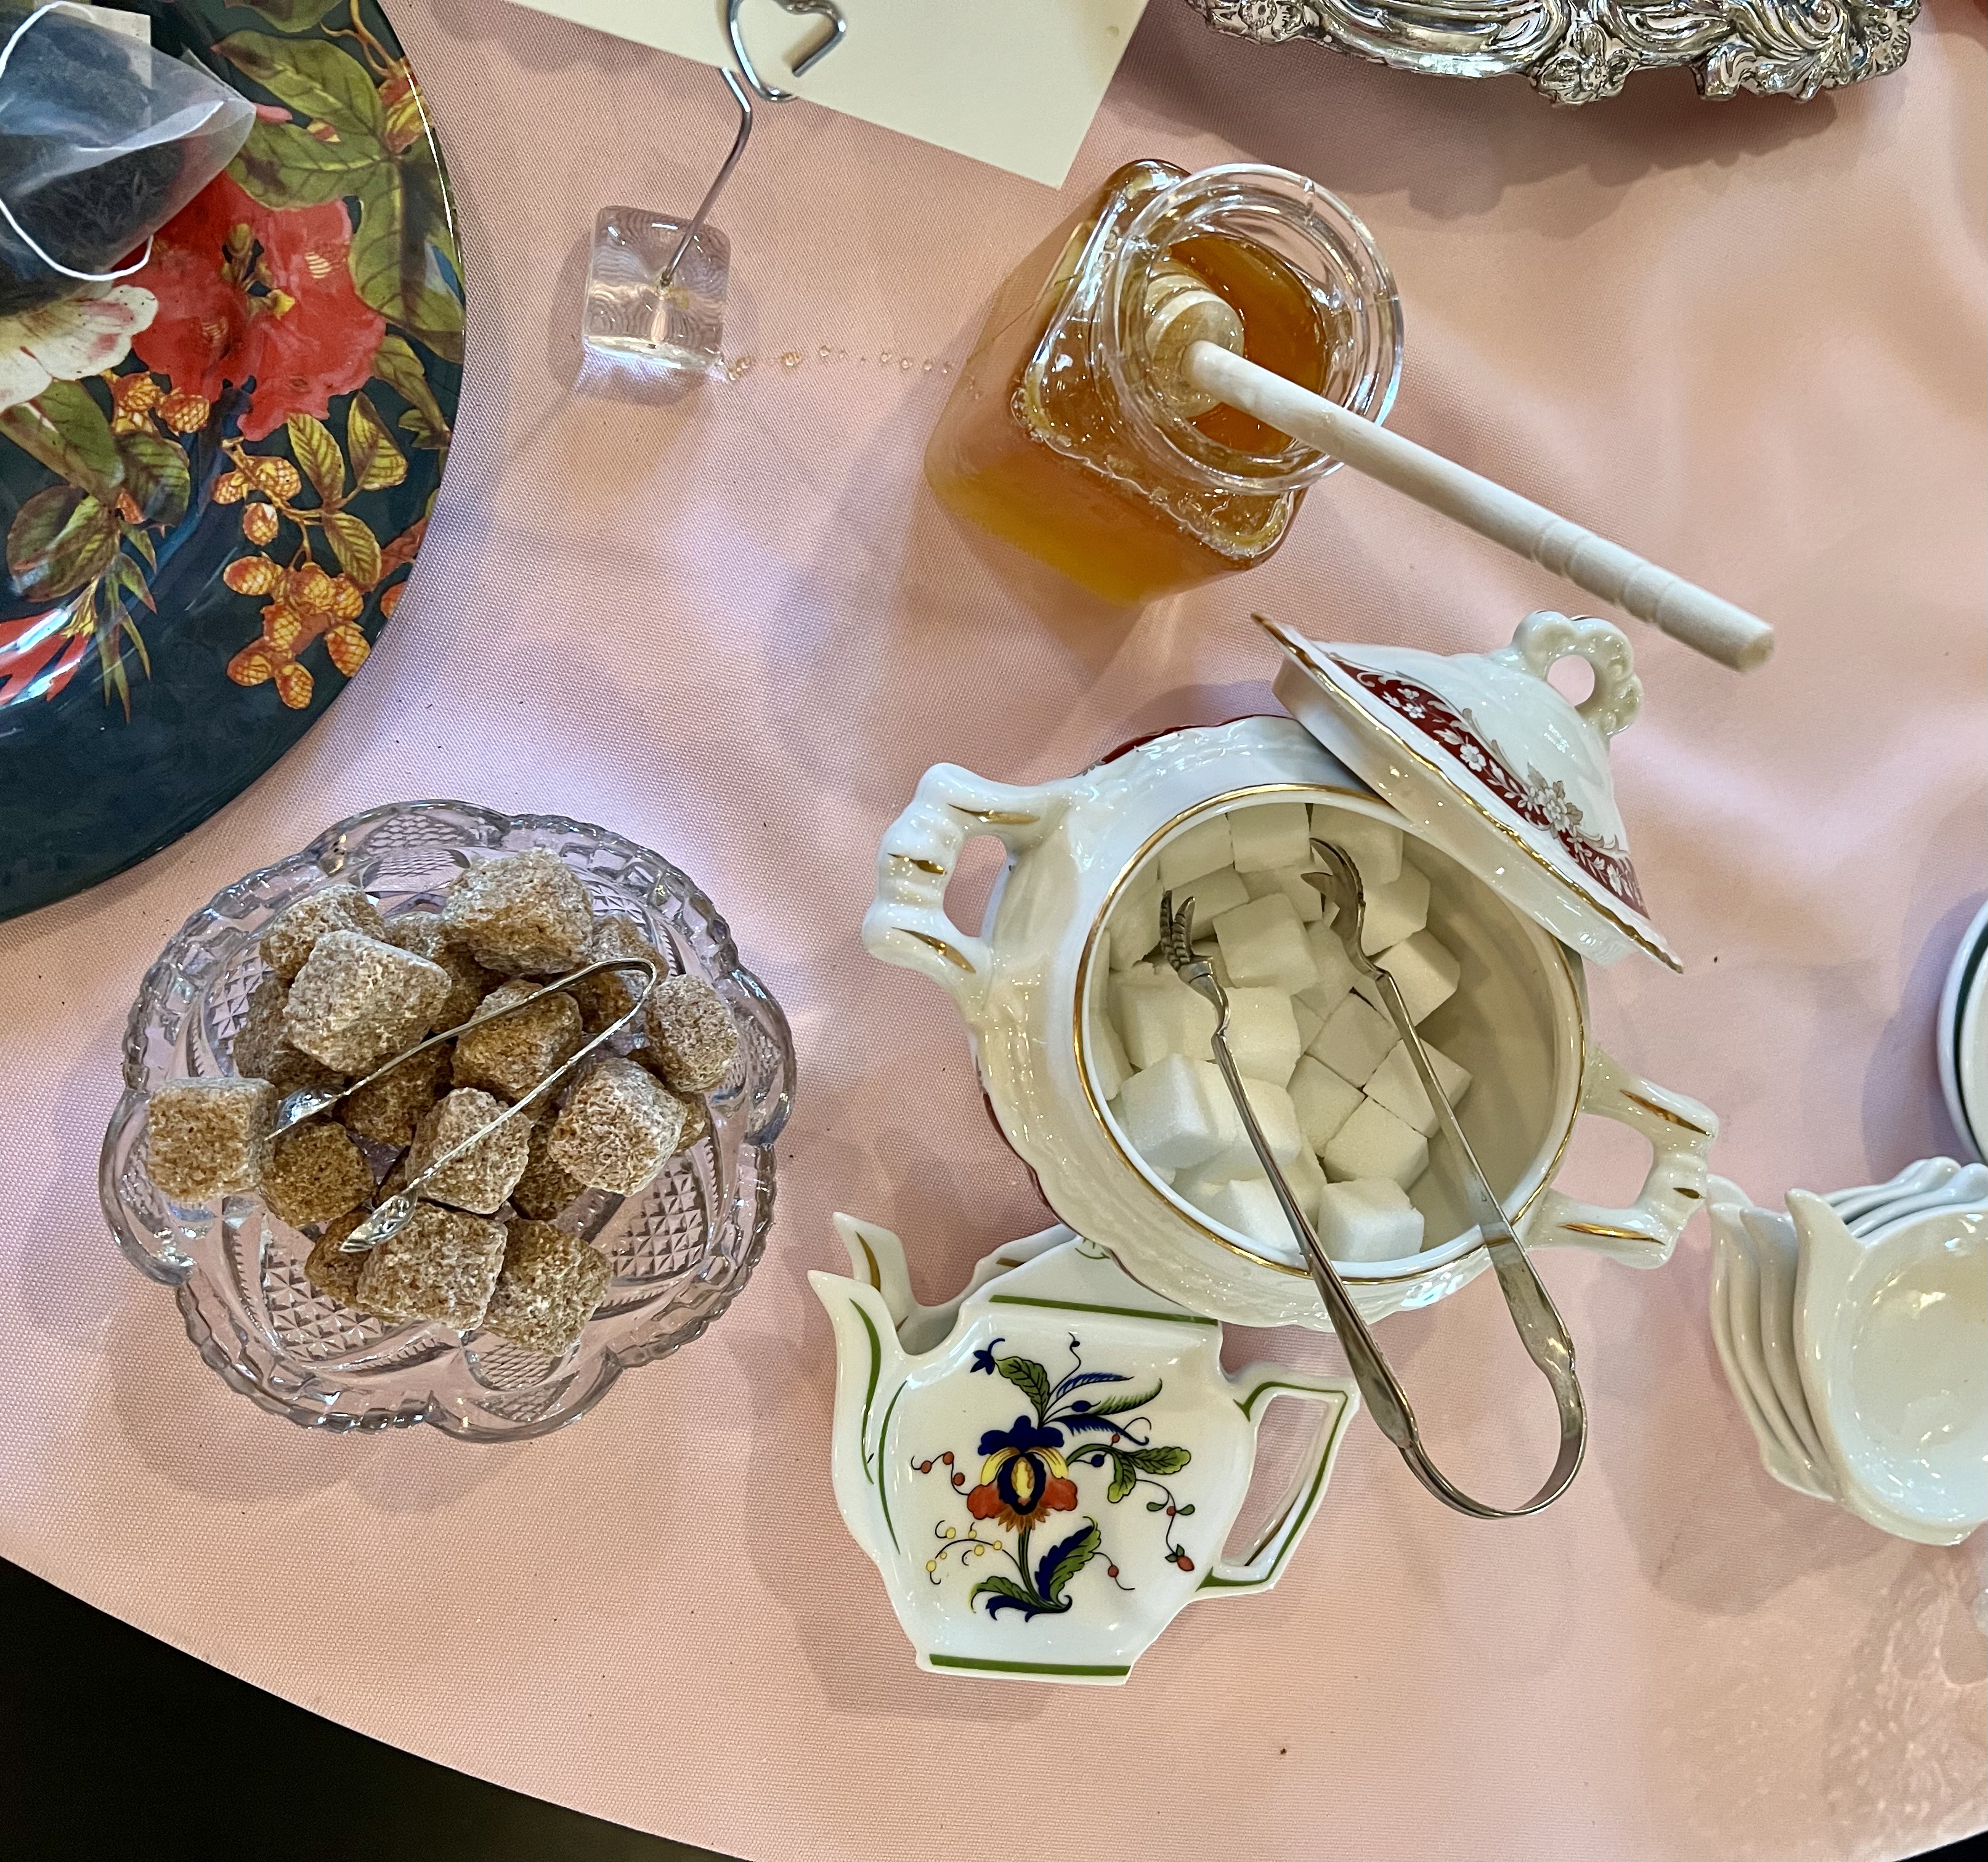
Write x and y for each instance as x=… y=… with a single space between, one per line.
x=1031 y=986
x=1046 y=1488
x=877 y=1256
x=1892 y=1330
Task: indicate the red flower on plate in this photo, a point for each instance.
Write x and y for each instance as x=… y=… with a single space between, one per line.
x=261 y=295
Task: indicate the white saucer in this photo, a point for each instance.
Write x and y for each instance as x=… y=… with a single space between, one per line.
x=1962 y=1035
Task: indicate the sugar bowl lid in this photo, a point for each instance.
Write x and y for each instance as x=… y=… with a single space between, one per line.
x=1494 y=765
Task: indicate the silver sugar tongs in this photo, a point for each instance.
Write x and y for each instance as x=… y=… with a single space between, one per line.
x=1539 y=1325
x=393 y=1214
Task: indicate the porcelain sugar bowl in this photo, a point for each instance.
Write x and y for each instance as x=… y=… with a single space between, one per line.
x=1517 y=872
x=1049 y=1484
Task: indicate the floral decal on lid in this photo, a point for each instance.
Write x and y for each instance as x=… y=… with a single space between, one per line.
x=1541 y=804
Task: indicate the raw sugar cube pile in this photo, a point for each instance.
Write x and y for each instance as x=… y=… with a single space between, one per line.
x=1334 y=1088
x=347 y=989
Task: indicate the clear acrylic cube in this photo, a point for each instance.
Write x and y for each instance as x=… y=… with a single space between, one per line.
x=631 y=318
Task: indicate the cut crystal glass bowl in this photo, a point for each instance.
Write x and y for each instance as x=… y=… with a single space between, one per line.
x=681 y=1250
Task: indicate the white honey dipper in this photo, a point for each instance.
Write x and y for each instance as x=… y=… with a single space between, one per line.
x=1196 y=339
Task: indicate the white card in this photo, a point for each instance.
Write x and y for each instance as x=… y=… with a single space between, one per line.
x=1014 y=82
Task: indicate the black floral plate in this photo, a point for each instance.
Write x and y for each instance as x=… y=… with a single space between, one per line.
x=214 y=475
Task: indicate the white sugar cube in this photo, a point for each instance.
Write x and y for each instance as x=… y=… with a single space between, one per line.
x=1370 y=1219
x=1158 y=1015
x=1323 y=1100
x=1302 y=1170
x=1108 y=1061
x=1135 y=920
x=1200 y=849
x=1397 y=1085
x=1353 y=1043
x=1426 y=970
x=1178 y=1113
x=1336 y=973
x=1308 y=1018
x=1213 y=893
x=1271 y=835
x=1249 y=1207
x=1374 y=846
x=1306 y=901
x=1374 y=1143
x=1278 y=1119
x=1263 y=1034
x=1395 y=911
x=1262 y=942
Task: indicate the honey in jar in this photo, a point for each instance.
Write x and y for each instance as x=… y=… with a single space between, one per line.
x=1061 y=436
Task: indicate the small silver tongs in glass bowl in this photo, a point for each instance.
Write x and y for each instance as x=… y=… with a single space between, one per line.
x=394 y=1214
x=1539 y=1325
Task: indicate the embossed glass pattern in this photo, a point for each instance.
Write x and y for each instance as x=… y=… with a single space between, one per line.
x=681 y=1250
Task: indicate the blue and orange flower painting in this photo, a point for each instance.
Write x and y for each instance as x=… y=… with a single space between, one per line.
x=1028 y=1473
x=1024 y=1476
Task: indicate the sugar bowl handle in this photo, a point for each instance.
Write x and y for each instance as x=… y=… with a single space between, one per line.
x=908 y=925
x=1680 y=1131
x=1338 y=1401
x=1544 y=637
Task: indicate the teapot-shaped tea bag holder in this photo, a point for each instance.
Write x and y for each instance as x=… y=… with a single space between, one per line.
x=656 y=284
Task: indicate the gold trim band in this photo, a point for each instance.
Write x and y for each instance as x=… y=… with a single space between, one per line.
x=1610 y=1233
x=939 y=944
x=1664 y=1112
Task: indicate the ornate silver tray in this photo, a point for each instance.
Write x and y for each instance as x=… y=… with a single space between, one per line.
x=1575 y=51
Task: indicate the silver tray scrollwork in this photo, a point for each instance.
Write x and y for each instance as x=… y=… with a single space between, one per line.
x=1575 y=51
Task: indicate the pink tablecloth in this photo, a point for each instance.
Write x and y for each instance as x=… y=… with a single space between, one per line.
x=1748 y=340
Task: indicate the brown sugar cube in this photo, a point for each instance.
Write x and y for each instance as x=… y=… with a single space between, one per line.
x=424 y=933
x=616 y=1127
x=388 y=1110
x=358 y=1001
x=691 y=1031
x=697 y=1119
x=526 y=914
x=329 y=1267
x=482 y=1177
x=208 y=1137
x=512 y=1056
x=696 y=1114
x=314 y=1172
x=550 y=1284
x=289 y=937
x=544 y=1189
x=609 y=996
x=261 y=1053
x=261 y=1029
x=441 y=1266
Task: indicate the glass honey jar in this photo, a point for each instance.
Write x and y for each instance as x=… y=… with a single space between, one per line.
x=1058 y=437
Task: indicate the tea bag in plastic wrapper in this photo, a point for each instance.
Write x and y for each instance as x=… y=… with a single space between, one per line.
x=102 y=140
